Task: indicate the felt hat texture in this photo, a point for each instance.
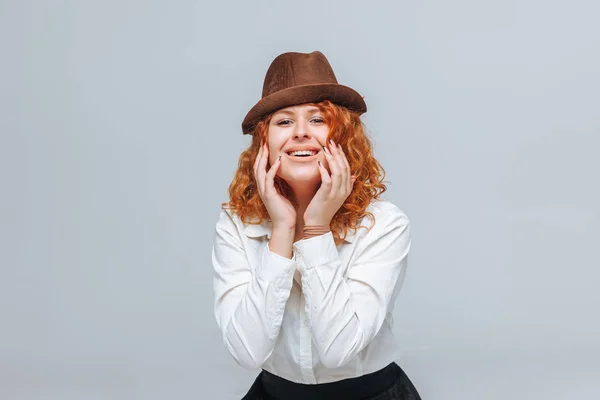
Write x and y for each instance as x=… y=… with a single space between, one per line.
x=298 y=78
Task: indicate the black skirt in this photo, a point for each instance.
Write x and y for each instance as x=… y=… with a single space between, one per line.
x=389 y=383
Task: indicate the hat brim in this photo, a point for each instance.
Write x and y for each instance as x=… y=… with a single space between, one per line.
x=334 y=92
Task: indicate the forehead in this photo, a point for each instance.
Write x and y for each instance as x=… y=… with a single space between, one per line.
x=299 y=109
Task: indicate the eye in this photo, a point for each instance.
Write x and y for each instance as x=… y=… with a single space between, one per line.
x=284 y=122
x=317 y=120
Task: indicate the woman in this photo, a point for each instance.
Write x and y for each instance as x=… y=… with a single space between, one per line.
x=303 y=290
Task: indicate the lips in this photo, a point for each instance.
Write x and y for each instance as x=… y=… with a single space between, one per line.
x=302 y=158
x=289 y=152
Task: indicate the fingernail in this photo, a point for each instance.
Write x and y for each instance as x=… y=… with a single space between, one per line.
x=278 y=158
x=319 y=163
x=332 y=142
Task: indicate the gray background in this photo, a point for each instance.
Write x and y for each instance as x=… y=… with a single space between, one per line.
x=120 y=124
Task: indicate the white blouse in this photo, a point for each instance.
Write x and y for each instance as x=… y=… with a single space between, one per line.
x=321 y=316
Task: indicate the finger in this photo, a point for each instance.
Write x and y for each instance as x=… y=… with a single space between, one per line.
x=260 y=170
x=325 y=178
x=334 y=169
x=270 y=178
x=336 y=151
x=338 y=173
x=344 y=158
x=349 y=180
x=256 y=161
x=262 y=166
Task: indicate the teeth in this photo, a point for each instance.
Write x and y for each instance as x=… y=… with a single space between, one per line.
x=303 y=152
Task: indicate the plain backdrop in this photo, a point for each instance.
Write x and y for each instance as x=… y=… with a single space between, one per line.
x=120 y=133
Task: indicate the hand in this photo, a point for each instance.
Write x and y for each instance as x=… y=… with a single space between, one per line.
x=334 y=189
x=280 y=209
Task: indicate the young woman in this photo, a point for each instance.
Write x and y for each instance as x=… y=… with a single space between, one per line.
x=303 y=289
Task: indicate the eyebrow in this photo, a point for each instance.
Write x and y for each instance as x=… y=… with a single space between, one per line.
x=308 y=111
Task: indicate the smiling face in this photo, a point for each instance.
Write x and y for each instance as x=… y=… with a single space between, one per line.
x=298 y=134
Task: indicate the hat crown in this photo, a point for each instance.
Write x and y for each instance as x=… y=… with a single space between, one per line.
x=300 y=78
x=295 y=69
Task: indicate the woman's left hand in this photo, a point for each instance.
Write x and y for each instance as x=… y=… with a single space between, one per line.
x=334 y=190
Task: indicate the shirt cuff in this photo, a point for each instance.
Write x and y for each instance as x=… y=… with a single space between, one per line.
x=317 y=250
x=276 y=269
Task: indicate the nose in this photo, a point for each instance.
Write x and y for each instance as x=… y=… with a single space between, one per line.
x=301 y=131
x=304 y=135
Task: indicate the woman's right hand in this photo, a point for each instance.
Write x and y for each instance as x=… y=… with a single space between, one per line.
x=281 y=210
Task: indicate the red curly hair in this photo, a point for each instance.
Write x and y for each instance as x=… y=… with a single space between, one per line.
x=345 y=128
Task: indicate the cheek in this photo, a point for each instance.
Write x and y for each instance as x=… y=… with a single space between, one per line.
x=273 y=154
x=322 y=135
x=275 y=144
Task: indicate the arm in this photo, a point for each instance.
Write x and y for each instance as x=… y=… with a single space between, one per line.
x=249 y=305
x=346 y=314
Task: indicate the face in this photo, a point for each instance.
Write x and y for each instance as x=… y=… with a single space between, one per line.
x=300 y=128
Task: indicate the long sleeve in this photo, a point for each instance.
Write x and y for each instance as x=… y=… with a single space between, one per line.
x=249 y=303
x=345 y=314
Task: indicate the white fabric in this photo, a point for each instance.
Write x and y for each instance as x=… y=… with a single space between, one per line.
x=322 y=316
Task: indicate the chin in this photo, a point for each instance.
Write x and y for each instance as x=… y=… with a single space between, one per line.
x=301 y=176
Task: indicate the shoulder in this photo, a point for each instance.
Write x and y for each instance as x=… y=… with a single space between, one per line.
x=229 y=220
x=385 y=211
x=387 y=218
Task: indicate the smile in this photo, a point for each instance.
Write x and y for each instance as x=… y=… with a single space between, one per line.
x=303 y=157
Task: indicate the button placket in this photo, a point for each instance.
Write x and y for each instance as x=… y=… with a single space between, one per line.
x=306 y=360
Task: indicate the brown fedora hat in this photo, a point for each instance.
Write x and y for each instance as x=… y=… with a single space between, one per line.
x=298 y=78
